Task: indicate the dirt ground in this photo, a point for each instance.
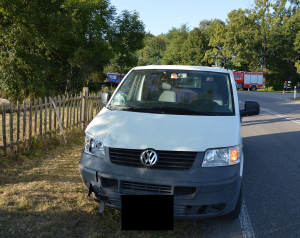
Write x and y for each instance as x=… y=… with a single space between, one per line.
x=42 y=195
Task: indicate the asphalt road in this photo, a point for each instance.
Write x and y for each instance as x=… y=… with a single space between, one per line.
x=271 y=176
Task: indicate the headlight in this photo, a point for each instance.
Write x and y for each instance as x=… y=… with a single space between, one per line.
x=94 y=147
x=222 y=157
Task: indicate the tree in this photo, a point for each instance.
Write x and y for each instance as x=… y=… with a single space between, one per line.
x=175 y=40
x=195 y=47
x=28 y=44
x=215 y=30
x=94 y=20
x=152 y=53
x=48 y=47
x=129 y=33
x=241 y=41
x=263 y=37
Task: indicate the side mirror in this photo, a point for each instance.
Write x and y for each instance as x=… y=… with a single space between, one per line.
x=105 y=98
x=251 y=108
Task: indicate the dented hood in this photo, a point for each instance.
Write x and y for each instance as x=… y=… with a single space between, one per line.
x=136 y=130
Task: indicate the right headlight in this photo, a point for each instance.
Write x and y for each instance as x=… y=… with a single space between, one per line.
x=94 y=147
x=222 y=157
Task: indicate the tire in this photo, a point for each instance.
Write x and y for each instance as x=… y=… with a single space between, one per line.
x=236 y=212
x=253 y=88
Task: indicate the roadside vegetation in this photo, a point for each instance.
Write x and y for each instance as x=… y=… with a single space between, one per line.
x=58 y=47
x=42 y=195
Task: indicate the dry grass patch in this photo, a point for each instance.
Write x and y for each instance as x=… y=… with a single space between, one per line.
x=42 y=195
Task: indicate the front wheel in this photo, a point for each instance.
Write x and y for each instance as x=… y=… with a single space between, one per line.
x=236 y=212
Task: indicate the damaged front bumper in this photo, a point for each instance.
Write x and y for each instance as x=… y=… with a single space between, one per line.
x=198 y=193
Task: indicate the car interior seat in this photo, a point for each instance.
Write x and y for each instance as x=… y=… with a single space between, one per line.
x=167 y=95
x=212 y=87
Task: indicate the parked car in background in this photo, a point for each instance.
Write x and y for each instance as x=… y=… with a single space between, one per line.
x=114 y=77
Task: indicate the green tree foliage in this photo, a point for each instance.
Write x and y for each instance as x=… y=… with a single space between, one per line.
x=50 y=47
x=263 y=38
x=129 y=33
x=241 y=41
x=175 y=40
x=152 y=53
x=195 y=47
x=215 y=31
x=93 y=30
x=31 y=33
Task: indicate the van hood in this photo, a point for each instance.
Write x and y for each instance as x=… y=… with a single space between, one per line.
x=136 y=130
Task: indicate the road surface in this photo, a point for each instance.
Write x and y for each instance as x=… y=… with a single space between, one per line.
x=271 y=176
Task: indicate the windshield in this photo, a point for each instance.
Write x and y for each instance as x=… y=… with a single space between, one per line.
x=175 y=92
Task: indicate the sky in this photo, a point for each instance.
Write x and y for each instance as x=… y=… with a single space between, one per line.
x=159 y=16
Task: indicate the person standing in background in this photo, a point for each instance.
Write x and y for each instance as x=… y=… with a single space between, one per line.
x=298 y=87
x=284 y=85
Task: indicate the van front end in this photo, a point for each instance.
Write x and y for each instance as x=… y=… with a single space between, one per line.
x=169 y=130
x=199 y=192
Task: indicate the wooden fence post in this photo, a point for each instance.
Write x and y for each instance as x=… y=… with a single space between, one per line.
x=4 y=129
x=77 y=107
x=50 y=117
x=88 y=107
x=63 y=114
x=11 y=131
x=35 y=116
x=74 y=106
x=98 y=102
x=61 y=128
x=24 y=124
x=92 y=113
x=30 y=123
x=85 y=92
x=54 y=119
x=81 y=98
x=70 y=120
x=18 y=127
x=68 y=102
x=41 y=117
x=59 y=107
x=45 y=118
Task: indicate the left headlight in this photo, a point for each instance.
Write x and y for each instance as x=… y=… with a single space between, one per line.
x=94 y=147
x=222 y=157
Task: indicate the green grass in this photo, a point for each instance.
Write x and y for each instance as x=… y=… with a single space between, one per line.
x=42 y=195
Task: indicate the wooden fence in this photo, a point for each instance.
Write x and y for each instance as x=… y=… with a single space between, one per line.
x=42 y=118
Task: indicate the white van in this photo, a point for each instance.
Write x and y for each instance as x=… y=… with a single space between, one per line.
x=171 y=130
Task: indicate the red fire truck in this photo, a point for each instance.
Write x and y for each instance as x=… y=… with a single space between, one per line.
x=252 y=80
x=114 y=77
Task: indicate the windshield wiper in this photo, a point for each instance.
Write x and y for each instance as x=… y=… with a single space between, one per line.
x=185 y=110
x=129 y=108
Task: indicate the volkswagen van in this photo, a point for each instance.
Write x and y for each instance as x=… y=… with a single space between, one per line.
x=169 y=130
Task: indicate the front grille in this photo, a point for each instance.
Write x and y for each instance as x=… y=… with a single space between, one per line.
x=184 y=190
x=144 y=187
x=167 y=160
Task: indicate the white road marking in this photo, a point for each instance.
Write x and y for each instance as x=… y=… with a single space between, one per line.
x=277 y=114
x=247 y=230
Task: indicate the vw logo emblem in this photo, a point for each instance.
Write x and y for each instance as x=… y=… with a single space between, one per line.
x=149 y=157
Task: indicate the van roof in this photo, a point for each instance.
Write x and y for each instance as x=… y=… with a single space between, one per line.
x=182 y=67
